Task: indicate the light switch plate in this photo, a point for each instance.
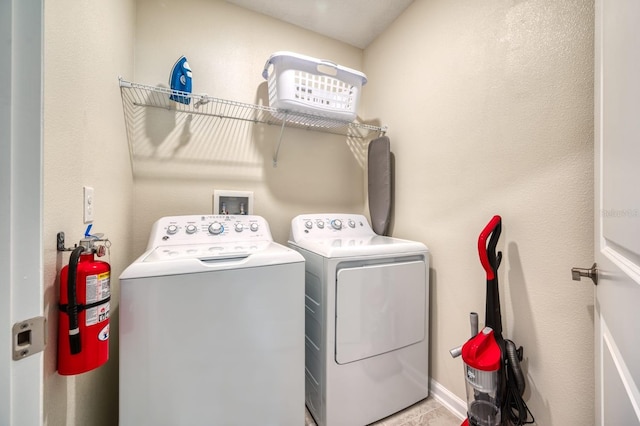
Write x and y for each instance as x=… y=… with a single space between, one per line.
x=89 y=206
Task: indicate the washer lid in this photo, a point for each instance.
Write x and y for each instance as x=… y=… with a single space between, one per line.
x=211 y=251
x=197 y=258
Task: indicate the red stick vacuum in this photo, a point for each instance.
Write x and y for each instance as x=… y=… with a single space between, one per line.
x=494 y=380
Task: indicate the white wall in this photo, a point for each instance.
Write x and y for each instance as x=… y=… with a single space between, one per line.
x=490 y=111
x=227 y=48
x=489 y=106
x=87 y=45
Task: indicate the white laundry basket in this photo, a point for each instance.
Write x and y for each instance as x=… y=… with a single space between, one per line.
x=308 y=85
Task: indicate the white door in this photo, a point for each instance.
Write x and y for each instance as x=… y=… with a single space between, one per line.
x=21 y=382
x=617 y=212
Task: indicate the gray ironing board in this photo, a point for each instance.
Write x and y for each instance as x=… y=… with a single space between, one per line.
x=379 y=177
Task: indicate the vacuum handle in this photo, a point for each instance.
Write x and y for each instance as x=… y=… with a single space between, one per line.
x=490 y=232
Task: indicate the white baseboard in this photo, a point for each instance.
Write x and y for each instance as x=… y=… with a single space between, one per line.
x=448 y=399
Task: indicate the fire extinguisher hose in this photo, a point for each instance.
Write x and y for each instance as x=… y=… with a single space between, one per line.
x=72 y=307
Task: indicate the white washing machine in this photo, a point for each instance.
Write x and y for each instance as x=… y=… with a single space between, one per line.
x=366 y=324
x=212 y=326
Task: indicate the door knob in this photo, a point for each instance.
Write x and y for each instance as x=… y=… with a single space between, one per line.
x=578 y=273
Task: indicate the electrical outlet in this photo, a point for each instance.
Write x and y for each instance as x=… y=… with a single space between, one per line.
x=88 y=204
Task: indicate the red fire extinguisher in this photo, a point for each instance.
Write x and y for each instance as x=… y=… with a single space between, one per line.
x=83 y=326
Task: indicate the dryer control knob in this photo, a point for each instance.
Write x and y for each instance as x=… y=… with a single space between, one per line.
x=191 y=229
x=336 y=224
x=352 y=223
x=253 y=227
x=320 y=224
x=238 y=227
x=308 y=224
x=172 y=229
x=216 y=228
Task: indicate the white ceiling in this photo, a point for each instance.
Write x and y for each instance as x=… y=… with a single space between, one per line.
x=356 y=22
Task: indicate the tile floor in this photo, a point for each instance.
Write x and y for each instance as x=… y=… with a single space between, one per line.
x=427 y=412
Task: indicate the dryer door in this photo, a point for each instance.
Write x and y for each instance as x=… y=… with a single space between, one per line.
x=379 y=308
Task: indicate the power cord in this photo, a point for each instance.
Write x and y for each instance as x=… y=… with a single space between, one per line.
x=516 y=409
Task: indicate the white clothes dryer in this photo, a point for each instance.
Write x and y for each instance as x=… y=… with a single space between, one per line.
x=212 y=326
x=366 y=323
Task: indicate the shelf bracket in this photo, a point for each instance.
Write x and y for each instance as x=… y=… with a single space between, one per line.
x=275 y=155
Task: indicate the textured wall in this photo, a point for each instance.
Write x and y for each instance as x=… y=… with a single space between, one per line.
x=227 y=48
x=490 y=110
x=87 y=45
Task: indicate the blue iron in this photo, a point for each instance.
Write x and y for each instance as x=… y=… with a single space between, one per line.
x=180 y=81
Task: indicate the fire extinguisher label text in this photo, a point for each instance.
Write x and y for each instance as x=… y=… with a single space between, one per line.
x=98 y=288
x=97 y=314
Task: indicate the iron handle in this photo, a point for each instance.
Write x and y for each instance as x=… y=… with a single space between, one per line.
x=578 y=273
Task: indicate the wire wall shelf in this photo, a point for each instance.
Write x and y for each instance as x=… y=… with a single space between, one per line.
x=135 y=96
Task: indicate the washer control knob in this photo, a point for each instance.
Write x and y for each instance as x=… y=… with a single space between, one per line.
x=308 y=224
x=216 y=228
x=191 y=229
x=254 y=227
x=336 y=224
x=172 y=229
x=238 y=227
x=352 y=223
x=320 y=224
